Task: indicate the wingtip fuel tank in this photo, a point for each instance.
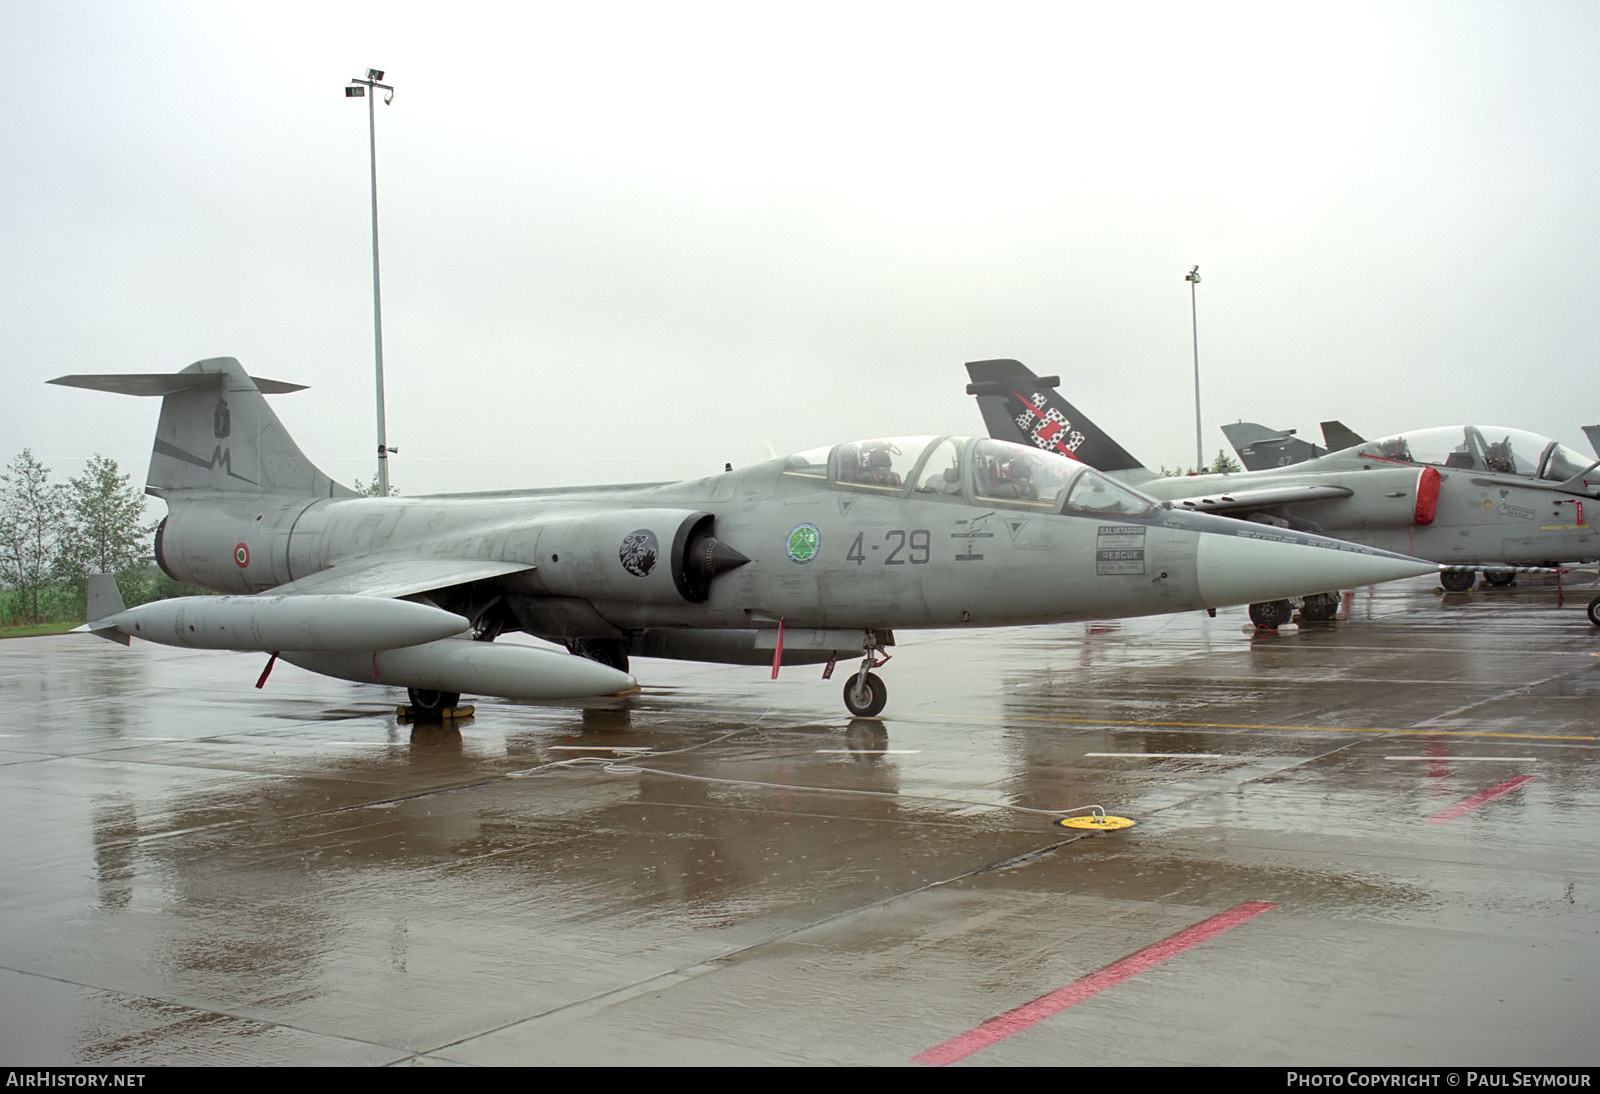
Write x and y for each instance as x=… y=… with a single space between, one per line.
x=280 y=623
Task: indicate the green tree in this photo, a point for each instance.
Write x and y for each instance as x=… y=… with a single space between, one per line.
x=1223 y=464
x=370 y=490
x=32 y=522
x=105 y=529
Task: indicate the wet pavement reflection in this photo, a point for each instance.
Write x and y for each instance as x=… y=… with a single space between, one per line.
x=728 y=869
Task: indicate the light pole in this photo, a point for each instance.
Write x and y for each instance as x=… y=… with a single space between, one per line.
x=356 y=89
x=1193 y=278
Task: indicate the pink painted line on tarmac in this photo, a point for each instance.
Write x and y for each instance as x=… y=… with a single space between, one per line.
x=1445 y=816
x=998 y=1029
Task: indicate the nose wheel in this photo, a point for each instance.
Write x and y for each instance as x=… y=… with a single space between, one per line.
x=865 y=694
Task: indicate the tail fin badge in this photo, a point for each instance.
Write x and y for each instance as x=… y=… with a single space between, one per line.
x=221 y=423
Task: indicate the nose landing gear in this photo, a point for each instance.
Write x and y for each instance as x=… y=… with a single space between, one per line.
x=864 y=692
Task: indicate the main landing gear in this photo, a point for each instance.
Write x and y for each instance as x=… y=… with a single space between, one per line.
x=432 y=706
x=1269 y=615
x=1457 y=579
x=1594 y=611
x=607 y=651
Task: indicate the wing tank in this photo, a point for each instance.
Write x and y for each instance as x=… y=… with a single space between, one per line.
x=280 y=623
x=482 y=668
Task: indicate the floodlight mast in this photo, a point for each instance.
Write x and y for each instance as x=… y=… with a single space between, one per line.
x=368 y=88
x=1193 y=278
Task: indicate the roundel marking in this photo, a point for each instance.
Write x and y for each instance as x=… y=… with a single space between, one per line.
x=804 y=543
x=241 y=555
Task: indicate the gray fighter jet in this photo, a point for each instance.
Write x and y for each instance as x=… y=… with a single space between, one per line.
x=1469 y=497
x=801 y=560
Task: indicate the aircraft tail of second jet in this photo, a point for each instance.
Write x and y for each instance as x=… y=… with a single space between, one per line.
x=1027 y=409
x=217 y=433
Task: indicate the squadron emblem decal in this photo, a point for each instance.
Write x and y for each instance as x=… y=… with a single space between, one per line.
x=639 y=552
x=804 y=543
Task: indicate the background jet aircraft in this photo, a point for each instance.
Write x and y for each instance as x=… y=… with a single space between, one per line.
x=1260 y=447
x=799 y=560
x=1466 y=496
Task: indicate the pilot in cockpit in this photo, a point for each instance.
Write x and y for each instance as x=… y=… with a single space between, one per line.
x=1014 y=479
x=1395 y=448
x=875 y=465
x=1498 y=457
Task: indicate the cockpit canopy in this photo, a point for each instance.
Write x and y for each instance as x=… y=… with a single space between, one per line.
x=980 y=471
x=1483 y=448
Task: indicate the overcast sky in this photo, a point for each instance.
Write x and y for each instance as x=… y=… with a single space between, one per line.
x=629 y=241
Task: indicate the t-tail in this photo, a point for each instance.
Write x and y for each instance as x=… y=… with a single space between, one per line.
x=1027 y=409
x=217 y=433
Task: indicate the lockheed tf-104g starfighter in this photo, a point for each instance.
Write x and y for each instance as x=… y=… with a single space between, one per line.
x=801 y=560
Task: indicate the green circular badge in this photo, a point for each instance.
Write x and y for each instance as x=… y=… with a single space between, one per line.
x=804 y=543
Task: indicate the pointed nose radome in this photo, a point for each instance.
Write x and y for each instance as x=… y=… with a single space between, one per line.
x=1245 y=569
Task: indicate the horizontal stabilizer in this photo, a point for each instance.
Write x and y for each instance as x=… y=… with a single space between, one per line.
x=165 y=383
x=1593 y=433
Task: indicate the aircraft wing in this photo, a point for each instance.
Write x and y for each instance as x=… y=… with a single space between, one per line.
x=1260 y=497
x=397 y=577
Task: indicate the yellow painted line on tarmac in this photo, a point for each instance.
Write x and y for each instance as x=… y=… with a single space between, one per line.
x=1587 y=738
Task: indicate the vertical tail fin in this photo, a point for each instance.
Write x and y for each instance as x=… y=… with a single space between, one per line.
x=1340 y=436
x=1026 y=409
x=1260 y=448
x=217 y=432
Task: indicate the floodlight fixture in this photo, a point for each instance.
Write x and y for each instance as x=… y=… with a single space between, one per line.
x=356 y=89
x=1193 y=278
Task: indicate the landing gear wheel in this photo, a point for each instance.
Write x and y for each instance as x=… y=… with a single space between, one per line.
x=429 y=706
x=1320 y=607
x=1456 y=580
x=1594 y=611
x=865 y=701
x=1269 y=615
x=607 y=651
x=1500 y=579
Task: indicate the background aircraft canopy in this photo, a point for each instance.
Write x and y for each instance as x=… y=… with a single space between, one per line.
x=994 y=472
x=1482 y=448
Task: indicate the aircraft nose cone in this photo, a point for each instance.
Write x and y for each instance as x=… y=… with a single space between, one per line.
x=1245 y=569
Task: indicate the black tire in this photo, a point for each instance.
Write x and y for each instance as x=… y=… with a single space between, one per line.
x=429 y=706
x=1269 y=615
x=865 y=702
x=1456 y=580
x=1500 y=579
x=1594 y=611
x=1320 y=607
x=607 y=651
